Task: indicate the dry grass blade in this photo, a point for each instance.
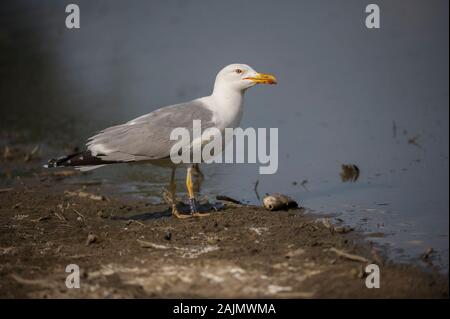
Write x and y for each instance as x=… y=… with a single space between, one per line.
x=38 y=282
x=349 y=256
x=147 y=244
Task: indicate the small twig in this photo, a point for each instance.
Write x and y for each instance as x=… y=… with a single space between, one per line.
x=22 y=183
x=303 y=184
x=86 y=195
x=41 y=218
x=38 y=282
x=17 y=205
x=78 y=213
x=413 y=141
x=60 y=217
x=147 y=244
x=349 y=256
x=256 y=189
x=228 y=199
x=136 y=221
x=427 y=254
x=80 y=256
x=5 y=190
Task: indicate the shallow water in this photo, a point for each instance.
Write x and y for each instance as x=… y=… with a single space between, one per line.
x=346 y=94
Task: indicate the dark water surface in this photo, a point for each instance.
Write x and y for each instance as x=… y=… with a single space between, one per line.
x=375 y=98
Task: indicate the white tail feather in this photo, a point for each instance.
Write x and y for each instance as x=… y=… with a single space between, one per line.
x=88 y=167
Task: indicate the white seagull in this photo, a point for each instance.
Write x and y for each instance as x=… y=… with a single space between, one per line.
x=146 y=139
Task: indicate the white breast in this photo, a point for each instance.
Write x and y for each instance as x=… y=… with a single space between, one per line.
x=227 y=110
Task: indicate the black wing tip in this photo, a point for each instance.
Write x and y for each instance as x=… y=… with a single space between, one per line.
x=60 y=161
x=50 y=164
x=84 y=158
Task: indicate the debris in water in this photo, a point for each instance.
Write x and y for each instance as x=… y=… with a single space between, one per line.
x=427 y=254
x=413 y=141
x=42 y=218
x=349 y=173
x=17 y=205
x=147 y=244
x=343 y=229
x=256 y=190
x=228 y=199
x=279 y=202
x=303 y=183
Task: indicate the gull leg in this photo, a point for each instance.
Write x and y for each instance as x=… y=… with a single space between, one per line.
x=191 y=192
x=173 y=197
x=197 y=178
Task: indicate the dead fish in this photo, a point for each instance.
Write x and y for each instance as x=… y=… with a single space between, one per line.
x=349 y=173
x=278 y=202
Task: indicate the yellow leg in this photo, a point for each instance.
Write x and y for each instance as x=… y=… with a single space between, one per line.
x=190 y=184
x=191 y=193
x=173 y=197
x=197 y=178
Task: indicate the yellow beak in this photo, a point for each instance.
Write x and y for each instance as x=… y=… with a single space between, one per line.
x=261 y=78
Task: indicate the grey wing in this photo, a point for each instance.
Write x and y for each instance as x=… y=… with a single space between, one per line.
x=148 y=137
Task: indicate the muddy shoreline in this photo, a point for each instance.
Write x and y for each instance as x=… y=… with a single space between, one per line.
x=128 y=248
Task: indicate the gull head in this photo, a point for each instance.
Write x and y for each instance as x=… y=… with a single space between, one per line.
x=241 y=76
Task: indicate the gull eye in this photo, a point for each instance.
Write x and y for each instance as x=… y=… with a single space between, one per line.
x=239 y=71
